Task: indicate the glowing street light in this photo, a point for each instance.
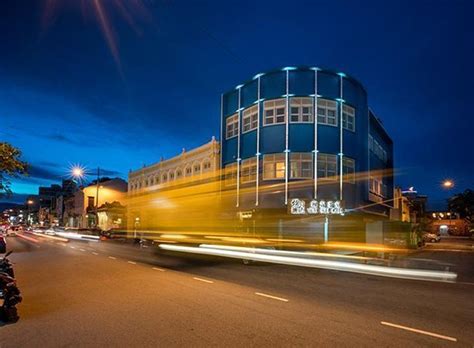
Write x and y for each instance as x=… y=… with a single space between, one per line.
x=77 y=172
x=447 y=184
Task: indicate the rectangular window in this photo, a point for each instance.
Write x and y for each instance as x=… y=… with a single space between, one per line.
x=348 y=169
x=250 y=119
x=232 y=126
x=327 y=166
x=249 y=170
x=274 y=166
x=377 y=149
x=274 y=112
x=348 y=117
x=301 y=165
x=301 y=110
x=327 y=112
x=90 y=201
x=230 y=172
x=377 y=186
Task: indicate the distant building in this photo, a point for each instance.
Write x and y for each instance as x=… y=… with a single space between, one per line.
x=448 y=223
x=81 y=208
x=401 y=206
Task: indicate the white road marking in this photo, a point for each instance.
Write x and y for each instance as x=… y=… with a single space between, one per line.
x=158 y=269
x=272 y=297
x=419 y=331
x=72 y=247
x=82 y=249
x=95 y=253
x=203 y=280
x=113 y=258
x=133 y=263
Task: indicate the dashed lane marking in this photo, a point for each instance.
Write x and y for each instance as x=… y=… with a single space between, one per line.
x=94 y=253
x=432 y=334
x=82 y=249
x=112 y=257
x=272 y=297
x=203 y=280
x=158 y=269
x=132 y=262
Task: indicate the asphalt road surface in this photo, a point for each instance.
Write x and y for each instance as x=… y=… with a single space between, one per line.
x=107 y=294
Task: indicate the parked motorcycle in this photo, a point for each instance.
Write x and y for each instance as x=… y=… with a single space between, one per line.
x=9 y=291
x=6 y=266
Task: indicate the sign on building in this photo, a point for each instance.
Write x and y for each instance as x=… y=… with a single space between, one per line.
x=315 y=207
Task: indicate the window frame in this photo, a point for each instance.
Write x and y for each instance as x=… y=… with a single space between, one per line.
x=323 y=165
x=346 y=115
x=347 y=175
x=298 y=158
x=274 y=160
x=248 y=172
x=229 y=170
x=251 y=114
x=274 y=105
x=323 y=104
x=300 y=103
x=233 y=122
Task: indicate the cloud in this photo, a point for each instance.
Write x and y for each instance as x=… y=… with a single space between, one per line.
x=38 y=172
x=107 y=172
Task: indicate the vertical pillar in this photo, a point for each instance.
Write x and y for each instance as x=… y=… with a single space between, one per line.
x=315 y=120
x=239 y=114
x=257 y=181
x=326 y=229
x=341 y=136
x=286 y=134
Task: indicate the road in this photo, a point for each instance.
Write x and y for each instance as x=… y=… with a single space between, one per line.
x=107 y=294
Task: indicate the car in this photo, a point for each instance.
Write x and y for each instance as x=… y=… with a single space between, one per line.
x=3 y=245
x=431 y=237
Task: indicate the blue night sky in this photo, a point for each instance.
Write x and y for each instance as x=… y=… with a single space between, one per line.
x=65 y=98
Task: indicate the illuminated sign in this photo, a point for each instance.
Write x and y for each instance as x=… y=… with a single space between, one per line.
x=315 y=207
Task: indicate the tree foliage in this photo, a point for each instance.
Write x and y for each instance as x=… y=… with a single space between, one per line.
x=462 y=203
x=11 y=166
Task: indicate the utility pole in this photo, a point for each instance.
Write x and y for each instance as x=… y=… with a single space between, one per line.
x=97 y=198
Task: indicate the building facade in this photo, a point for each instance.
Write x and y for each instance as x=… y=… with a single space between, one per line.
x=167 y=184
x=304 y=133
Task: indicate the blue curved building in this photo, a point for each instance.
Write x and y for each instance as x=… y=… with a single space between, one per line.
x=307 y=133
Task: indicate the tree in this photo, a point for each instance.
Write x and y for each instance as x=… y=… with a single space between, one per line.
x=462 y=203
x=11 y=166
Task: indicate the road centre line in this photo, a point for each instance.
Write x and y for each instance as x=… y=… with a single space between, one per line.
x=112 y=257
x=82 y=249
x=448 y=338
x=158 y=269
x=272 y=297
x=72 y=247
x=131 y=262
x=203 y=280
x=95 y=253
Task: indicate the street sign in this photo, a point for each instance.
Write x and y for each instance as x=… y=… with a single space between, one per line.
x=315 y=207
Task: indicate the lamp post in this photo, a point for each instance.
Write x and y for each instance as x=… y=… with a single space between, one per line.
x=29 y=203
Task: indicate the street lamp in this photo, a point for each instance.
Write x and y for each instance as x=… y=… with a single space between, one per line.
x=447 y=184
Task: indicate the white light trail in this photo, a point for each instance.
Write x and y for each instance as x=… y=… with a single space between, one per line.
x=393 y=272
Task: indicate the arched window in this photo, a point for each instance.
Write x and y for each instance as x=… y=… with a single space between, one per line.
x=197 y=168
x=179 y=173
x=188 y=171
x=164 y=178
x=171 y=176
x=206 y=165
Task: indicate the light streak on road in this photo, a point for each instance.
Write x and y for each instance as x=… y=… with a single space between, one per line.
x=30 y=239
x=272 y=297
x=203 y=280
x=392 y=272
x=432 y=334
x=282 y=252
x=77 y=236
x=42 y=235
